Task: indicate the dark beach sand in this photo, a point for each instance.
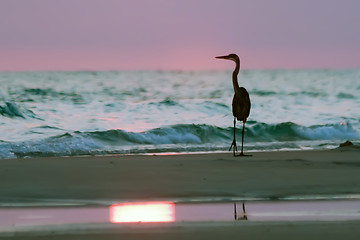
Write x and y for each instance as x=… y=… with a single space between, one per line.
x=271 y=175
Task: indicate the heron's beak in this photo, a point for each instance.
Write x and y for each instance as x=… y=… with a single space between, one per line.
x=223 y=57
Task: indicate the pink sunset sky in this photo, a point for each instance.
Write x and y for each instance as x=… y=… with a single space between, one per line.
x=178 y=34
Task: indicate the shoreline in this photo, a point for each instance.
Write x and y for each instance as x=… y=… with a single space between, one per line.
x=345 y=146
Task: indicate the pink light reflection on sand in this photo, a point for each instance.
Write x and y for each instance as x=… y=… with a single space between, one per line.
x=142 y=212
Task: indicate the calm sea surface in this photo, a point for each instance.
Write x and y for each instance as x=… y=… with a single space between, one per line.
x=77 y=113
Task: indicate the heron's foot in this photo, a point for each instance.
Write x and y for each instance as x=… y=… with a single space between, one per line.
x=242 y=154
x=233 y=144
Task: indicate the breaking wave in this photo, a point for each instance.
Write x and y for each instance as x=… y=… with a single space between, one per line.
x=176 y=138
x=13 y=110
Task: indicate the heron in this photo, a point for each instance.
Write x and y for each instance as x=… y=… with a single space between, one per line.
x=241 y=103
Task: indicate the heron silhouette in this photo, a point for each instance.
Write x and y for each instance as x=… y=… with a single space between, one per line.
x=241 y=103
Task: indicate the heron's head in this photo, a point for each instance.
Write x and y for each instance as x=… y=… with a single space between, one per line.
x=232 y=57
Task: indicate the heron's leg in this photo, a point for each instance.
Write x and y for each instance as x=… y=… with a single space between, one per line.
x=242 y=139
x=234 y=140
x=242 y=143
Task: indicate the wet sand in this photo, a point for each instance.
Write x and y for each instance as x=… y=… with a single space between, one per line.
x=209 y=230
x=270 y=175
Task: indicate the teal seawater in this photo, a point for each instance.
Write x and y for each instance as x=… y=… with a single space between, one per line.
x=81 y=113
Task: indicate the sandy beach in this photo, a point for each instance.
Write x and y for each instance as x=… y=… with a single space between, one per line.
x=267 y=175
x=270 y=175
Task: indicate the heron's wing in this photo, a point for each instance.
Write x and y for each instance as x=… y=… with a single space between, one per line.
x=246 y=100
x=241 y=105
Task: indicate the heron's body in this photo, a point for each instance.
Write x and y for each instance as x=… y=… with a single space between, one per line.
x=241 y=105
x=241 y=102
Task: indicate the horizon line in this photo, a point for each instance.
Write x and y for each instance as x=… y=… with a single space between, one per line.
x=171 y=70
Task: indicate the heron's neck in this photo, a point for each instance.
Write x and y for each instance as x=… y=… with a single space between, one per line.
x=234 y=77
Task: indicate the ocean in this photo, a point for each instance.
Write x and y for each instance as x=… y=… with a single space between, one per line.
x=153 y=112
